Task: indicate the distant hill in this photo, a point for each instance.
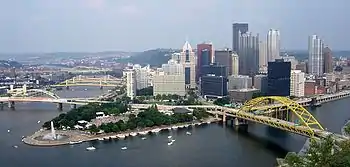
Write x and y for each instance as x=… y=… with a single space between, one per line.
x=155 y=57
x=9 y=64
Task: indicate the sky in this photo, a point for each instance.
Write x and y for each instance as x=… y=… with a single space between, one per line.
x=137 y=25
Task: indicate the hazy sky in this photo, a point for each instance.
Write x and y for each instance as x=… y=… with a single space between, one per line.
x=136 y=25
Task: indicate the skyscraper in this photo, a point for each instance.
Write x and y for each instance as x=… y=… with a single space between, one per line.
x=188 y=60
x=223 y=57
x=297 y=83
x=235 y=63
x=130 y=83
x=328 y=60
x=278 y=78
x=237 y=28
x=248 y=53
x=273 y=45
x=205 y=56
x=262 y=57
x=315 y=55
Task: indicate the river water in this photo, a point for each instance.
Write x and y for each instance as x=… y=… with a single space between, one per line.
x=209 y=145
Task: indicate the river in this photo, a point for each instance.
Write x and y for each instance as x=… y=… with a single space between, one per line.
x=209 y=145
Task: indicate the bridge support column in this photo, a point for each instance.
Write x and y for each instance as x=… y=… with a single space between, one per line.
x=59 y=106
x=238 y=122
x=67 y=87
x=1 y=105
x=11 y=104
x=217 y=116
x=73 y=106
x=101 y=87
x=224 y=118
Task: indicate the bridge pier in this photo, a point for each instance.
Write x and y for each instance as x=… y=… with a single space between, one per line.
x=73 y=106
x=101 y=87
x=59 y=106
x=11 y=104
x=67 y=87
x=238 y=122
x=1 y=105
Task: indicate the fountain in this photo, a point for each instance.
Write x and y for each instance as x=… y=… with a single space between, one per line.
x=52 y=135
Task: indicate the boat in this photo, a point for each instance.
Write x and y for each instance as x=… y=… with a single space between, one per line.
x=156 y=130
x=38 y=122
x=208 y=122
x=169 y=128
x=181 y=126
x=174 y=127
x=15 y=146
x=169 y=137
x=187 y=126
x=124 y=148
x=143 y=133
x=172 y=140
x=133 y=134
x=113 y=137
x=91 y=148
x=170 y=143
x=75 y=142
x=85 y=89
x=188 y=133
x=144 y=138
x=8 y=130
x=101 y=139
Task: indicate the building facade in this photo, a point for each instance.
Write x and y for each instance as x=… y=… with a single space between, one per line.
x=297 y=83
x=188 y=60
x=278 y=78
x=142 y=76
x=328 y=60
x=214 y=69
x=262 y=57
x=235 y=63
x=315 y=56
x=213 y=86
x=239 y=82
x=260 y=82
x=248 y=52
x=130 y=83
x=273 y=45
x=224 y=57
x=205 y=56
x=237 y=29
x=168 y=84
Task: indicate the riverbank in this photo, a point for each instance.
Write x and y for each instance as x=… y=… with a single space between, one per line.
x=77 y=136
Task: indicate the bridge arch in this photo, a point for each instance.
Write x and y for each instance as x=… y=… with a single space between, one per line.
x=277 y=102
x=31 y=92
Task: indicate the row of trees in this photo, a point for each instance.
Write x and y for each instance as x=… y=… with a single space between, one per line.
x=322 y=154
x=86 y=112
x=149 y=118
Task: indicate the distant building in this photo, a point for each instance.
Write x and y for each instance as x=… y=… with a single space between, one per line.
x=213 y=86
x=173 y=68
x=142 y=76
x=278 y=78
x=188 y=60
x=297 y=83
x=224 y=57
x=237 y=29
x=242 y=95
x=130 y=83
x=205 y=56
x=239 y=82
x=214 y=69
x=292 y=60
x=260 y=82
x=263 y=57
x=273 y=45
x=168 y=84
x=248 y=54
x=328 y=60
x=315 y=55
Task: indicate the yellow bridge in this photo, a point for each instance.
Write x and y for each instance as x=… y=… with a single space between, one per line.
x=279 y=112
x=104 y=81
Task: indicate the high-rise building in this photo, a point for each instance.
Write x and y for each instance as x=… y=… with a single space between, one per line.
x=205 y=56
x=235 y=63
x=328 y=60
x=224 y=57
x=273 y=45
x=315 y=55
x=239 y=82
x=130 y=83
x=173 y=68
x=142 y=76
x=188 y=60
x=214 y=69
x=248 y=54
x=260 y=82
x=297 y=83
x=237 y=29
x=262 y=57
x=278 y=78
x=213 y=86
x=292 y=60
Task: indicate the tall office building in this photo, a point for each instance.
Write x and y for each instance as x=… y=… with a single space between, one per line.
x=273 y=45
x=213 y=86
x=237 y=29
x=130 y=83
x=173 y=68
x=205 y=56
x=142 y=76
x=328 y=60
x=214 y=69
x=235 y=63
x=188 y=60
x=262 y=57
x=278 y=78
x=297 y=83
x=260 y=82
x=315 y=55
x=224 y=57
x=239 y=82
x=248 y=52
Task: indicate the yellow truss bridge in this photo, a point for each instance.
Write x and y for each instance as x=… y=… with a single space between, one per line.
x=104 y=81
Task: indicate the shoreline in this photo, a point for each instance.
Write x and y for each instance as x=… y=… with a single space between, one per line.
x=78 y=136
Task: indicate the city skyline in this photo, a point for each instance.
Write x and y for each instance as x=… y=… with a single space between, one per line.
x=100 y=25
